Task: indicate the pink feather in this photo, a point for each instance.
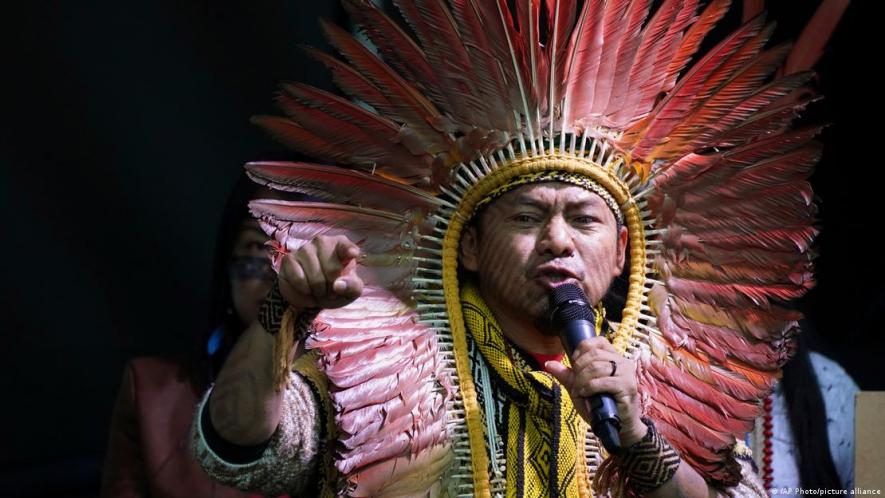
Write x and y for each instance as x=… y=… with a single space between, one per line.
x=344 y=185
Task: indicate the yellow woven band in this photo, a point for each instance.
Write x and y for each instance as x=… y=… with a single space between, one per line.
x=553 y=176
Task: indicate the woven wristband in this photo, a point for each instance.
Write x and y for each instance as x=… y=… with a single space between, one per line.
x=270 y=316
x=274 y=307
x=288 y=326
x=650 y=462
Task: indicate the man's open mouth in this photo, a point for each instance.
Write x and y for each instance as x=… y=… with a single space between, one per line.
x=551 y=276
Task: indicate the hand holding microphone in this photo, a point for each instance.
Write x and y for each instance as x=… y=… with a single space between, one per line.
x=601 y=382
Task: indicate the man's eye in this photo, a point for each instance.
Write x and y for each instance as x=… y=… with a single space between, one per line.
x=584 y=220
x=524 y=218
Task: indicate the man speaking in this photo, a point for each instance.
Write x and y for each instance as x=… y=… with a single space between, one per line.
x=408 y=348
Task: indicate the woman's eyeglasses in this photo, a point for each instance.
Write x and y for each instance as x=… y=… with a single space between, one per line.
x=251 y=268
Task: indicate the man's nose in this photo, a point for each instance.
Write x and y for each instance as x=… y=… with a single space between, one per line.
x=556 y=239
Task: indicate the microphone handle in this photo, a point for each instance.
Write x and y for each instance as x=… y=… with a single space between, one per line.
x=604 y=418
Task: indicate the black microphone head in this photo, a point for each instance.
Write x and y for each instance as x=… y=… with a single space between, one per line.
x=568 y=303
x=566 y=292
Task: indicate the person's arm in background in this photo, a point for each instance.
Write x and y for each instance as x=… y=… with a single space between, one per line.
x=244 y=405
x=284 y=458
x=250 y=429
x=123 y=474
x=838 y=391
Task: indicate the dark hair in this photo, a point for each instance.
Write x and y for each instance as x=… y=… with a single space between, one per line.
x=615 y=297
x=808 y=420
x=222 y=316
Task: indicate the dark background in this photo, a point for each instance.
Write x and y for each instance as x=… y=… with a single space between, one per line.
x=125 y=124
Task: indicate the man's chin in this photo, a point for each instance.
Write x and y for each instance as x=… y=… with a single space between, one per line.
x=543 y=325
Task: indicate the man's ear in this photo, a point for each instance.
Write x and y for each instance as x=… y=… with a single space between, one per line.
x=623 y=235
x=469 y=250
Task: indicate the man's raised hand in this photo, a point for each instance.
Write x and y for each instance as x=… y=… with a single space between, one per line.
x=321 y=274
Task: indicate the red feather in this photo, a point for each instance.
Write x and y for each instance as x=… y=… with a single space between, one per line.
x=761 y=324
x=561 y=16
x=718 y=465
x=610 y=97
x=343 y=185
x=736 y=176
x=649 y=73
x=691 y=42
x=329 y=214
x=396 y=47
x=433 y=24
x=366 y=147
x=487 y=45
x=701 y=81
x=736 y=101
x=619 y=24
x=810 y=45
x=585 y=48
x=411 y=106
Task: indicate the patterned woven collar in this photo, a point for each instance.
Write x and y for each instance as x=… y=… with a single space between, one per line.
x=543 y=432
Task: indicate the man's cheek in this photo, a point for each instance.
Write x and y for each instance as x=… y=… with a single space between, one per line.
x=502 y=268
x=597 y=283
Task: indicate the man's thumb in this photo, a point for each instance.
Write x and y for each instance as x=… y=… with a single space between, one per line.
x=350 y=286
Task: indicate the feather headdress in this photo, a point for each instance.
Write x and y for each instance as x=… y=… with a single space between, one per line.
x=697 y=150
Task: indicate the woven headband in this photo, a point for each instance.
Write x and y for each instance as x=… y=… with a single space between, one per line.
x=553 y=176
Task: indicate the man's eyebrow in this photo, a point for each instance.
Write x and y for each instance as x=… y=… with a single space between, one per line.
x=525 y=200
x=593 y=201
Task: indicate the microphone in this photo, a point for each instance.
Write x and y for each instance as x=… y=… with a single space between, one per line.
x=575 y=320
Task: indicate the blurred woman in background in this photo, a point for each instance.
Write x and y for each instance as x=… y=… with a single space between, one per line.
x=805 y=437
x=148 y=450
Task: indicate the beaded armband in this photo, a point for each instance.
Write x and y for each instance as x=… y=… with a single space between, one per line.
x=649 y=462
x=640 y=468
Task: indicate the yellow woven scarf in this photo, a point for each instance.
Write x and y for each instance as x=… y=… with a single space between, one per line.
x=544 y=434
